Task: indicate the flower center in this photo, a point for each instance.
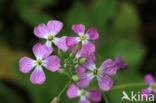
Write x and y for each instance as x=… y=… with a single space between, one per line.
x=96 y=72
x=39 y=62
x=83 y=93
x=153 y=87
x=50 y=37
x=83 y=37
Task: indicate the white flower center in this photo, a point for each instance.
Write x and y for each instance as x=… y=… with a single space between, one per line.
x=153 y=87
x=83 y=37
x=50 y=37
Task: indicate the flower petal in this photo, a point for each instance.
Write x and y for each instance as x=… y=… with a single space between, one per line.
x=120 y=63
x=85 y=80
x=95 y=95
x=78 y=28
x=72 y=41
x=146 y=92
x=81 y=69
x=92 y=33
x=54 y=26
x=84 y=101
x=154 y=95
x=26 y=64
x=53 y=63
x=41 y=31
x=61 y=43
x=72 y=91
x=88 y=48
x=41 y=50
x=37 y=76
x=109 y=67
x=105 y=83
x=149 y=79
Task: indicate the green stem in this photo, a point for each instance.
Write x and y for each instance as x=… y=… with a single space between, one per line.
x=129 y=85
x=65 y=87
x=105 y=98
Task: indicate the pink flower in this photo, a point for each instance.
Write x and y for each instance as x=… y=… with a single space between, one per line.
x=94 y=95
x=120 y=63
x=149 y=79
x=102 y=74
x=43 y=58
x=49 y=33
x=87 y=46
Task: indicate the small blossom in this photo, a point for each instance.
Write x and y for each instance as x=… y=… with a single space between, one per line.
x=49 y=33
x=102 y=74
x=43 y=58
x=149 y=79
x=94 y=95
x=55 y=100
x=120 y=63
x=87 y=47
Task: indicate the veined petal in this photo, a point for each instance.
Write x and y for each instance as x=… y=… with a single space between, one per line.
x=72 y=41
x=72 y=91
x=61 y=43
x=92 y=33
x=41 y=50
x=37 y=76
x=88 y=48
x=85 y=79
x=78 y=28
x=41 y=31
x=54 y=26
x=149 y=79
x=81 y=69
x=146 y=92
x=105 y=83
x=109 y=67
x=120 y=63
x=84 y=101
x=95 y=95
x=53 y=63
x=26 y=64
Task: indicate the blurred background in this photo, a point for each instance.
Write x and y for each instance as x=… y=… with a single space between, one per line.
x=127 y=28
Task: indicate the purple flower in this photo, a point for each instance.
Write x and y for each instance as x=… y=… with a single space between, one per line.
x=87 y=46
x=43 y=58
x=49 y=33
x=93 y=95
x=102 y=74
x=120 y=63
x=149 y=79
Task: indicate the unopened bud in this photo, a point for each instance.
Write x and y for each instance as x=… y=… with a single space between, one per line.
x=78 y=46
x=60 y=70
x=71 y=55
x=82 y=60
x=55 y=100
x=75 y=78
x=76 y=66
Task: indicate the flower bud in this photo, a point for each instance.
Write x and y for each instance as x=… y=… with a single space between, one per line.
x=78 y=46
x=71 y=55
x=61 y=71
x=76 y=66
x=75 y=78
x=82 y=60
x=55 y=100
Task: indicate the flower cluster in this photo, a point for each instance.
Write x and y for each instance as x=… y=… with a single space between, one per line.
x=79 y=66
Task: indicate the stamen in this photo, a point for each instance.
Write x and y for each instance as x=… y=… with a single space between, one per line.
x=39 y=62
x=83 y=93
x=96 y=72
x=83 y=37
x=153 y=87
x=50 y=37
